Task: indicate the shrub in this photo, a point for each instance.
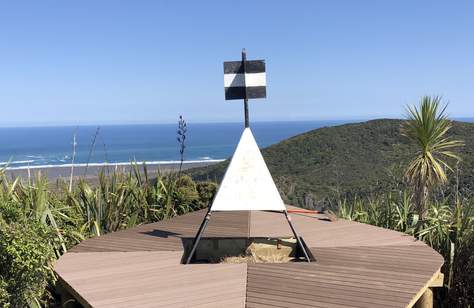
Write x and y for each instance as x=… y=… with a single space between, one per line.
x=4 y=295
x=25 y=254
x=461 y=293
x=206 y=191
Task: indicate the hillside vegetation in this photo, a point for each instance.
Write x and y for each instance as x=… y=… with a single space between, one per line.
x=349 y=168
x=357 y=171
x=40 y=221
x=346 y=160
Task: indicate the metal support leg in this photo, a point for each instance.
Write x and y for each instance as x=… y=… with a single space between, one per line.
x=197 y=238
x=246 y=101
x=298 y=239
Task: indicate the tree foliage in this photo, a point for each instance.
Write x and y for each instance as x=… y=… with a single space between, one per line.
x=427 y=126
x=351 y=160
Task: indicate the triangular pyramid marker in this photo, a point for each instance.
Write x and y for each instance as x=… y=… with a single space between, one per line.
x=247 y=183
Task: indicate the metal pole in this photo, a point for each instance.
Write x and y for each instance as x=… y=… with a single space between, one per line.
x=197 y=238
x=298 y=239
x=246 y=104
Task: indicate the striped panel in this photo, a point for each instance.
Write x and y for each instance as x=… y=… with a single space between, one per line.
x=242 y=80
x=240 y=84
x=253 y=66
x=239 y=92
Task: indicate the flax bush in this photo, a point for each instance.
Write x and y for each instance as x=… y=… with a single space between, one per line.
x=39 y=221
x=448 y=227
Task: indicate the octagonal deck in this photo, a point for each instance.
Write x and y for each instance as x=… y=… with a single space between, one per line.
x=357 y=265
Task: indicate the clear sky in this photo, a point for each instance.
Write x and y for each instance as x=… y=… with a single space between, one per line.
x=103 y=62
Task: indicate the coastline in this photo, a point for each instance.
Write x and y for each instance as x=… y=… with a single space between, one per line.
x=54 y=172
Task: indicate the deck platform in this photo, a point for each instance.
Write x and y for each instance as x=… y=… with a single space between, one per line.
x=357 y=265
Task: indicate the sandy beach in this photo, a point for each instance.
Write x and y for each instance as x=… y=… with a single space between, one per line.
x=91 y=171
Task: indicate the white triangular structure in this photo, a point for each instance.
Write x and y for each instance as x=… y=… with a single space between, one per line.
x=247 y=183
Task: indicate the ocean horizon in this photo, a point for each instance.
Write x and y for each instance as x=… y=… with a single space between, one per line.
x=52 y=146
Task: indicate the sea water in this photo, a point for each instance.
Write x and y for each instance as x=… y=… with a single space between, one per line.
x=23 y=147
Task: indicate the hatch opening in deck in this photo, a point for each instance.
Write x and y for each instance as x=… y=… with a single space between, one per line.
x=244 y=250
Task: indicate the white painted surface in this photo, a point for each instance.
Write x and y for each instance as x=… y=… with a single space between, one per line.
x=247 y=183
x=256 y=80
x=251 y=80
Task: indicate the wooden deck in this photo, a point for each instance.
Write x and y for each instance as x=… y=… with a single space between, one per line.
x=357 y=265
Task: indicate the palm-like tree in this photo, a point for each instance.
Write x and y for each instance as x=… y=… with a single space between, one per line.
x=428 y=126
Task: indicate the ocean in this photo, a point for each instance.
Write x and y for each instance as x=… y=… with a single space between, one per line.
x=39 y=147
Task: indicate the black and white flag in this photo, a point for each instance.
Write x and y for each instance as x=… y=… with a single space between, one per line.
x=240 y=84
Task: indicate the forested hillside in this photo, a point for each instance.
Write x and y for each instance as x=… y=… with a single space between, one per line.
x=349 y=159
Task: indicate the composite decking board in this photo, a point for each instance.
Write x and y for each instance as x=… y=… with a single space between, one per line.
x=137 y=242
x=370 y=286
x=218 y=226
x=173 y=276
x=117 y=246
x=172 y=291
x=262 y=305
x=356 y=265
x=319 y=274
x=111 y=281
x=327 y=294
x=393 y=251
x=355 y=256
x=127 y=242
x=318 y=232
x=349 y=236
x=421 y=265
x=367 y=265
x=325 y=298
x=256 y=302
x=366 y=286
x=285 y=301
x=270 y=302
x=233 y=302
x=167 y=235
x=360 y=254
x=331 y=291
x=341 y=287
x=403 y=264
x=98 y=275
x=350 y=271
x=195 y=290
x=72 y=263
x=319 y=287
x=130 y=243
x=417 y=248
x=322 y=274
x=158 y=299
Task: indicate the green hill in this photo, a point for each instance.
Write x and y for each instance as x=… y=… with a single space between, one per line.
x=348 y=159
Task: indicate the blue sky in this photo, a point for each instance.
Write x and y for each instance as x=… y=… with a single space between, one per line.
x=104 y=62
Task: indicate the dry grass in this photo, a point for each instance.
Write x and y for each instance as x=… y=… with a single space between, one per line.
x=252 y=258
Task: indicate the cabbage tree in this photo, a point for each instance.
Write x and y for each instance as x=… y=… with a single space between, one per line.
x=427 y=126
